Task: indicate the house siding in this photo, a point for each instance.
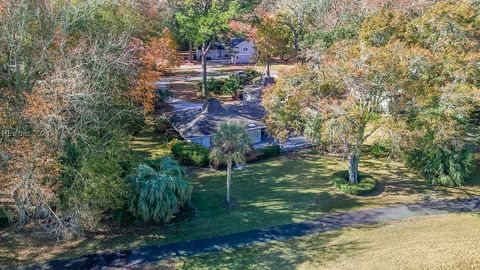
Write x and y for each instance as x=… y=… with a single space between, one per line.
x=255 y=135
x=243 y=53
x=205 y=140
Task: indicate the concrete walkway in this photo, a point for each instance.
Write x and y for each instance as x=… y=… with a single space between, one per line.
x=137 y=257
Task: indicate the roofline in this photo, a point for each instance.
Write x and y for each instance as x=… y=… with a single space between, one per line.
x=200 y=136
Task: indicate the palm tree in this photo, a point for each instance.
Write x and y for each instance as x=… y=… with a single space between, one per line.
x=160 y=190
x=230 y=144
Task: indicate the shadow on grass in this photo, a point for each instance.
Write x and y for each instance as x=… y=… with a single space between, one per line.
x=275 y=255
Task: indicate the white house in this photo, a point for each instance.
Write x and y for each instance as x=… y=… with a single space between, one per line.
x=243 y=51
x=238 y=51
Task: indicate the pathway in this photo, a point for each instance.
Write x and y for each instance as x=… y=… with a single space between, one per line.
x=151 y=254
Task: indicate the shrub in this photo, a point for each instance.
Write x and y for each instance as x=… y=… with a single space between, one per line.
x=172 y=143
x=231 y=85
x=159 y=190
x=133 y=121
x=381 y=149
x=365 y=186
x=189 y=153
x=252 y=73
x=6 y=216
x=270 y=151
x=442 y=164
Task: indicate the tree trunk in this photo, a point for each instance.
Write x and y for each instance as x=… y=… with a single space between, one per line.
x=354 y=157
x=296 y=46
x=229 y=178
x=190 y=51
x=268 y=66
x=353 y=160
x=204 y=70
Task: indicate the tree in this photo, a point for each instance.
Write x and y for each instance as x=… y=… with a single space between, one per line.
x=298 y=16
x=155 y=57
x=337 y=105
x=68 y=108
x=230 y=144
x=205 y=21
x=159 y=190
x=405 y=74
x=272 y=39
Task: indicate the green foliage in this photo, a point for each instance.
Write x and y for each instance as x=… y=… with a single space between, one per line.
x=6 y=216
x=270 y=151
x=133 y=119
x=365 y=186
x=172 y=143
x=446 y=26
x=252 y=74
x=189 y=153
x=440 y=163
x=95 y=183
x=159 y=190
x=325 y=39
x=383 y=27
x=230 y=144
x=381 y=149
x=231 y=85
x=203 y=21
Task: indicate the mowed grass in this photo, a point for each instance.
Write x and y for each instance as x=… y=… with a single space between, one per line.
x=288 y=189
x=432 y=242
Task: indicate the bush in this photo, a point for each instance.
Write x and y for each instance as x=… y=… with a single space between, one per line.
x=133 y=121
x=252 y=73
x=442 y=164
x=264 y=153
x=159 y=190
x=231 y=85
x=381 y=149
x=172 y=143
x=365 y=186
x=192 y=154
x=270 y=151
x=6 y=216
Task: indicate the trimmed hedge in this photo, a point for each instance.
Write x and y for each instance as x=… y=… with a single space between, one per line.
x=191 y=154
x=365 y=186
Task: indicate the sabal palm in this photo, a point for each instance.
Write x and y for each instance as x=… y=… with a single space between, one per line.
x=160 y=189
x=230 y=144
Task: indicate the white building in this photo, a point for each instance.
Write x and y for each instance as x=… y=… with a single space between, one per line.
x=238 y=51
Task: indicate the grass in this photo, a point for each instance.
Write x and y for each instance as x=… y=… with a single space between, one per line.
x=284 y=190
x=288 y=189
x=146 y=145
x=431 y=242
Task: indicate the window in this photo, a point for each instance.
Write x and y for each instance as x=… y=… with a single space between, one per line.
x=245 y=49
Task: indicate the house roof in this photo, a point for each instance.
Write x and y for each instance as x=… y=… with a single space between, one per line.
x=204 y=122
x=236 y=41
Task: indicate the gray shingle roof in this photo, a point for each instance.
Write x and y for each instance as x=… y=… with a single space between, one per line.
x=204 y=122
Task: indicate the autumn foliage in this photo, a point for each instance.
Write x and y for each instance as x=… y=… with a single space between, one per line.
x=155 y=57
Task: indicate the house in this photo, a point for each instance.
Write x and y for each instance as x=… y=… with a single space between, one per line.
x=243 y=51
x=199 y=125
x=237 y=51
x=218 y=51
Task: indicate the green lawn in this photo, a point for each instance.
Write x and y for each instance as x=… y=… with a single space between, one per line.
x=288 y=189
x=432 y=242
